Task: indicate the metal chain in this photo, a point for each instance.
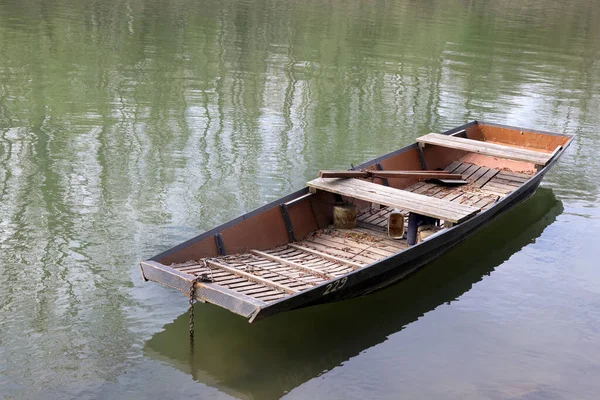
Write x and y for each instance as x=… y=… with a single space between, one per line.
x=192 y=301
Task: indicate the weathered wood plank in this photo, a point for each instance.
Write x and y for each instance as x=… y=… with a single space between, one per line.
x=422 y=188
x=377 y=253
x=424 y=205
x=462 y=197
x=340 y=270
x=516 y=175
x=510 y=178
x=461 y=168
x=397 y=245
x=343 y=174
x=339 y=260
x=411 y=199
x=371 y=227
x=478 y=174
x=507 y=182
x=347 y=247
x=247 y=285
x=498 y=187
x=486 y=148
x=388 y=174
x=453 y=195
x=492 y=191
x=415 y=186
x=291 y=276
x=485 y=178
x=233 y=279
x=431 y=192
x=263 y=289
x=223 y=278
x=443 y=193
x=472 y=169
x=251 y=277
x=346 y=253
x=375 y=216
x=415 y=174
x=453 y=166
x=485 y=201
x=293 y=264
x=271 y=298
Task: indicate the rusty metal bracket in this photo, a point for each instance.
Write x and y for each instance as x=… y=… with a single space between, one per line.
x=220 y=244
x=288 y=222
x=422 y=156
x=384 y=180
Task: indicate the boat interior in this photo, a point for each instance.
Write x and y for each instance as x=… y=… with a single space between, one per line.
x=294 y=245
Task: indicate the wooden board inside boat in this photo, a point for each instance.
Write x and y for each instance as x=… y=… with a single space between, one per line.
x=491 y=149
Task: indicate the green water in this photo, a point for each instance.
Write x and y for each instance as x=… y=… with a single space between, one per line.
x=127 y=127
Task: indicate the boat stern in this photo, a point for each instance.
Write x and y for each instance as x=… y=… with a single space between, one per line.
x=235 y=302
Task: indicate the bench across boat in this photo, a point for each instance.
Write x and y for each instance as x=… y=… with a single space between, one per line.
x=287 y=254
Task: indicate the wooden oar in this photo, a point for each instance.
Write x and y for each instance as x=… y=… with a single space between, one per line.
x=416 y=174
x=344 y=174
x=389 y=174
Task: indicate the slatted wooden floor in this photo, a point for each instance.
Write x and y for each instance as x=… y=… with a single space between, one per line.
x=486 y=186
x=328 y=254
x=273 y=274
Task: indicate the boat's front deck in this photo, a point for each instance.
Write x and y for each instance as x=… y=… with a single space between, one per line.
x=327 y=254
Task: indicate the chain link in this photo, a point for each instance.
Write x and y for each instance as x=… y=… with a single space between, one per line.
x=192 y=301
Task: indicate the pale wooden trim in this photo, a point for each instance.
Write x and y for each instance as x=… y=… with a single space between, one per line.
x=396 y=198
x=251 y=277
x=293 y=264
x=485 y=148
x=326 y=256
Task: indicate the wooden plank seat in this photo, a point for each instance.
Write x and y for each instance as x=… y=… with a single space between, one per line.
x=396 y=198
x=488 y=149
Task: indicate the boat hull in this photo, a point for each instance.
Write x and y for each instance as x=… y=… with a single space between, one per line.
x=365 y=279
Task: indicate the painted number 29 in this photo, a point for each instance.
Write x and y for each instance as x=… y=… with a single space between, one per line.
x=337 y=285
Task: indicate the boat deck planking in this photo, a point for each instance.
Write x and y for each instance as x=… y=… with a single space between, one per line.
x=326 y=255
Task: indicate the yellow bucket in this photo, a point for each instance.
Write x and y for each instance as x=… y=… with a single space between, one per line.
x=344 y=217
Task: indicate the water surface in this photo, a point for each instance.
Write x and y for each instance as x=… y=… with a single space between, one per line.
x=127 y=127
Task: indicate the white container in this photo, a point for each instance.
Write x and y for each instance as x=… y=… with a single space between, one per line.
x=396 y=224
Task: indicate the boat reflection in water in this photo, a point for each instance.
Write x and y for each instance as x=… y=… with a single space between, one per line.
x=267 y=359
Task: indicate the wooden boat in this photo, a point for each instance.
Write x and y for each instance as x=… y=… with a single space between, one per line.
x=287 y=255
x=237 y=363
